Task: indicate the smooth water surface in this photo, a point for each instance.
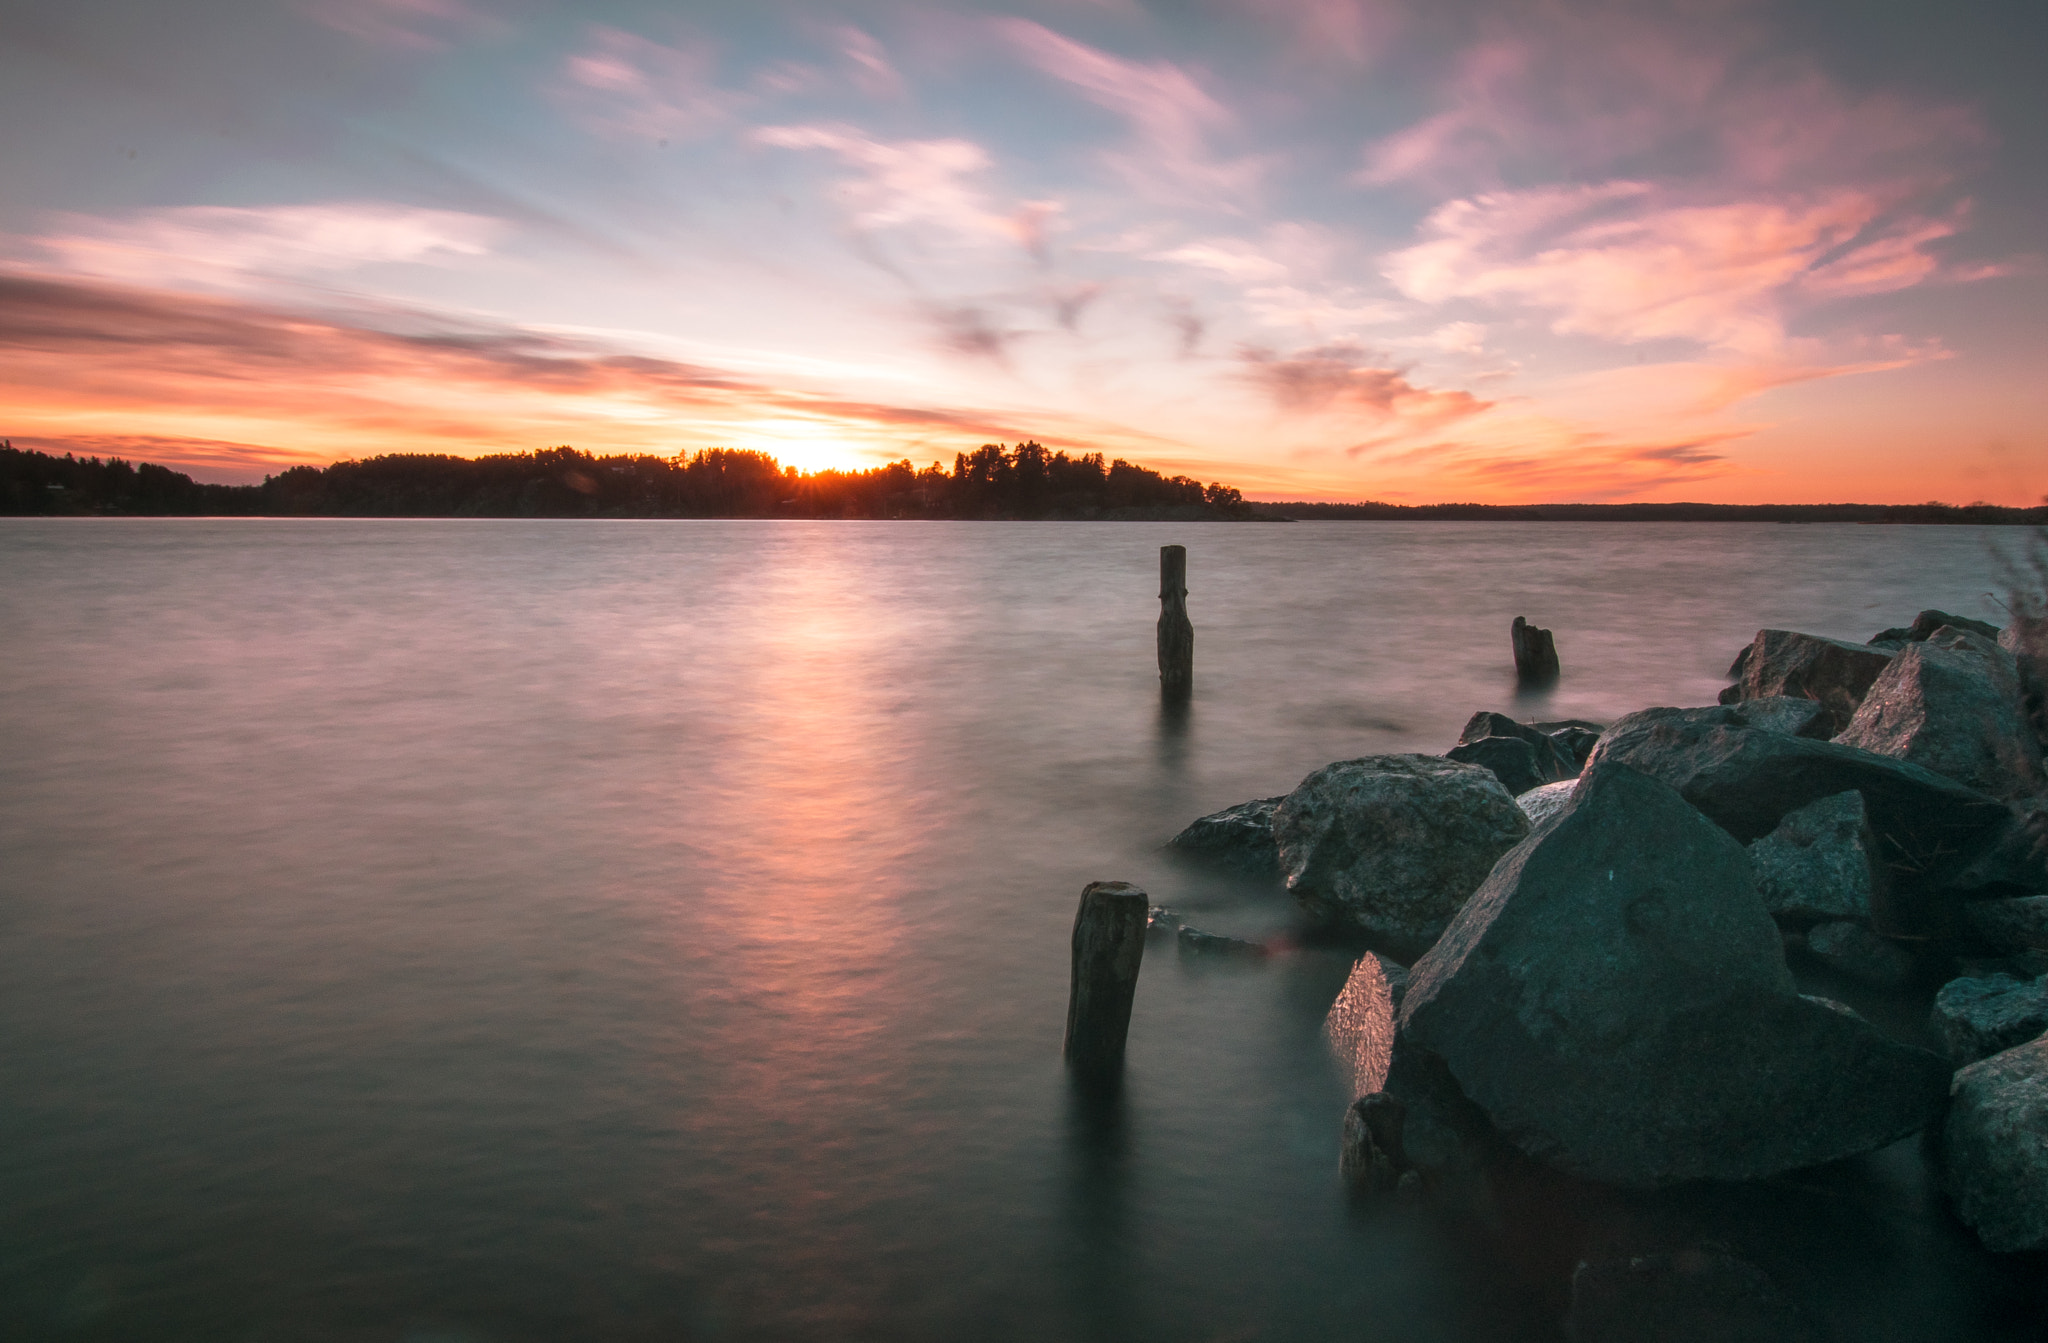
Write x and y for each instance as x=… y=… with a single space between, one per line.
x=522 y=930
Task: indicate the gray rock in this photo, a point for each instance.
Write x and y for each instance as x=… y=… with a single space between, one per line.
x=1161 y=921
x=1927 y=622
x=1995 y=1147
x=2015 y=860
x=1540 y=804
x=1821 y=863
x=1861 y=954
x=1747 y=781
x=2009 y=925
x=1518 y=764
x=1391 y=845
x=1371 y=1158
x=1574 y=739
x=1239 y=837
x=1833 y=672
x=1952 y=705
x=1701 y=1294
x=1787 y=714
x=1615 y=999
x=1977 y=1018
x=1551 y=759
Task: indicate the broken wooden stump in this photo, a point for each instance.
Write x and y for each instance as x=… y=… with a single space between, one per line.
x=1535 y=653
x=1176 y=633
x=1109 y=943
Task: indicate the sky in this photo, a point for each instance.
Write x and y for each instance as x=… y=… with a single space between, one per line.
x=1408 y=250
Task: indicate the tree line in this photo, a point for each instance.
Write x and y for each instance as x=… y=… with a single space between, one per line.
x=993 y=481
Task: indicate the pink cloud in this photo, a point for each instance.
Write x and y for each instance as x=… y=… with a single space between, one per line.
x=1351 y=31
x=625 y=85
x=917 y=182
x=869 y=64
x=402 y=25
x=1622 y=262
x=1343 y=377
x=227 y=245
x=1171 y=117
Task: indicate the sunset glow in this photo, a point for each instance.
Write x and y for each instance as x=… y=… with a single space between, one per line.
x=1315 y=248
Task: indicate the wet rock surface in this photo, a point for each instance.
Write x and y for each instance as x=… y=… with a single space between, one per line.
x=1994 y=1147
x=1978 y=1017
x=1239 y=837
x=1833 y=672
x=1952 y=705
x=1821 y=863
x=2016 y=925
x=1862 y=955
x=1390 y=846
x=1615 y=999
x=1748 y=780
x=1701 y=1294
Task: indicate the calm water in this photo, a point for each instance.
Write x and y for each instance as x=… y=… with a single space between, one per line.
x=497 y=930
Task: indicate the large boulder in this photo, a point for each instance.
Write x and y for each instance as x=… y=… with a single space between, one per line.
x=1391 y=845
x=1239 y=837
x=1540 y=804
x=1977 y=1017
x=1833 y=672
x=1821 y=864
x=1995 y=1147
x=1952 y=704
x=1748 y=780
x=1616 y=1000
x=1790 y=715
x=1574 y=738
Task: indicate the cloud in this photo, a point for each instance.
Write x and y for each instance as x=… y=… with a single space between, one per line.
x=869 y=64
x=1170 y=114
x=625 y=86
x=85 y=362
x=1622 y=262
x=917 y=182
x=1354 y=32
x=225 y=245
x=401 y=25
x=1343 y=377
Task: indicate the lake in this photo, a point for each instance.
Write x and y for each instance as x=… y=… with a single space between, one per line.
x=493 y=930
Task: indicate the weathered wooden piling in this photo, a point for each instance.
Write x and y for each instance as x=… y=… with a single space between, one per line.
x=1176 y=632
x=1535 y=652
x=1109 y=943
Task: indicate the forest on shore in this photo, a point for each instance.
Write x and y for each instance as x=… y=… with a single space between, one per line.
x=992 y=482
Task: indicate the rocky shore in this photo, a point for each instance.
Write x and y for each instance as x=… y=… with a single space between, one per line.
x=1583 y=941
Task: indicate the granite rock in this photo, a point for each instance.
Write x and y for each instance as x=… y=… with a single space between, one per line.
x=2009 y=925
x=1952 y=704
x=1821 y=864
x=1239 y=837
x=1979 y=1017
x=1833 y=672
x=1862 y=955
x=1615 y=999
x=1390 y=846
x=1994 y=1147
x=1540 y=804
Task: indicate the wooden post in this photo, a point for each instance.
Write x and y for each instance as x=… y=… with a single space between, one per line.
x=1176 y=634
x=1109 y=942
x=1535 y=652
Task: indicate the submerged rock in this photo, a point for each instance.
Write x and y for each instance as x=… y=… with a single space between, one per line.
x=1239 y=837
x=1821 y=863
x=1747 y=781
x=1194 y=942
x=1832 y=672
x=1977 y=1018
x=1927 y=622
x=1701 y=1294
x=1861 y=954
x=1372 y=1157
x=1995 y=1147
x=1952 y=706
x=1615 y=999
x=1391 y=845
x=2009 y=925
